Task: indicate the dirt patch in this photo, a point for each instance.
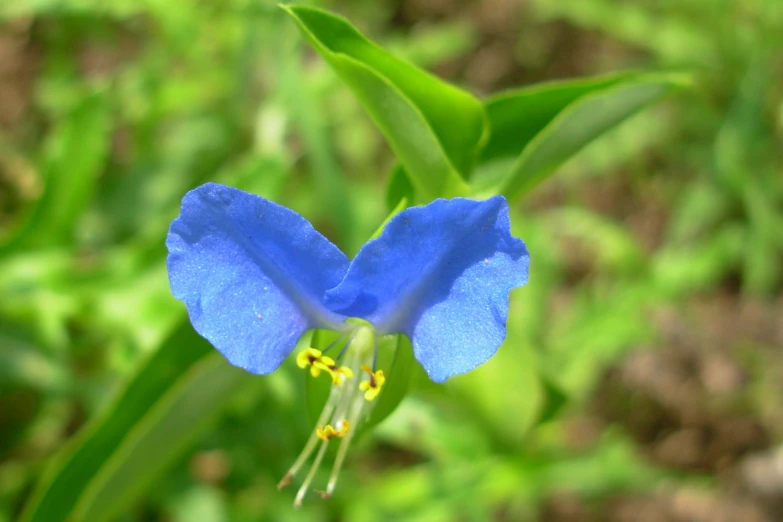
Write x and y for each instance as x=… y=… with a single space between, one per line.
x=18 y=66
x=687 y=504
x=702 y=402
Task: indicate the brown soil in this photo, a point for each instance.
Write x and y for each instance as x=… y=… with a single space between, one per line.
x=707 y=402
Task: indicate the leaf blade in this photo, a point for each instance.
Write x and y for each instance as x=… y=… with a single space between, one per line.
x=516 y=116
x=76 y=154
x=581 y=123
x=434 y=128
x=65 y=485
x=169 y=428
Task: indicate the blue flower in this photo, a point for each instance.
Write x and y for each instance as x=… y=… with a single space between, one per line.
x=255 y=276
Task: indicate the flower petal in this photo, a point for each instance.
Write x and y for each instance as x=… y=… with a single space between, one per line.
x=252 y=274
x=441 y=274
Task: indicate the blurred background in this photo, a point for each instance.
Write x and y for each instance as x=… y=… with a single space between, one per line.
x=642 y=379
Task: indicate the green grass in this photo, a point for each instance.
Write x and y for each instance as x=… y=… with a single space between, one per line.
x=121 y=107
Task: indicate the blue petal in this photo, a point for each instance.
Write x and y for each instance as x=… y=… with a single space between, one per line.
x=251 y=273
x=441 y=274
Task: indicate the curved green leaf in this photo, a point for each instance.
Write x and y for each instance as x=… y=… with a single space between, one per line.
x=516 y=116
x=505 y=393
x=402 y=204
x=579 y=124
x=162 y=410
x=398 y=187
x=434 y=128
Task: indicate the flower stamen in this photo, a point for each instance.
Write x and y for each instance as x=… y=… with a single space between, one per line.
x=345 y=408
x=342 y=450
x=372 y=386
x=319 y=362
x=312 y=358
x=327 y=433
x=306 y=484
x=334 y=397
x=339 y=374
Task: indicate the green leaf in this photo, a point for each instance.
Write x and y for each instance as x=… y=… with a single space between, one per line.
x=26 y=377
x=682 y=269
x=401 y=205
x=701 y=208
x=516 y=116
x=399 y=188
x=505 y=393
x=22 y=365
x=743 y=146
x=434 y=128
x=76 y=153
x=555 y=398
x=160 y=413
x=579 y=124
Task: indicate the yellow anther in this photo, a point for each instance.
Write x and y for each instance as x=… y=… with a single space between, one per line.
x=339 y=374
x=372 y=386
x=322 y=363
x=312 y=358
x=328 y=432
x=318 y=362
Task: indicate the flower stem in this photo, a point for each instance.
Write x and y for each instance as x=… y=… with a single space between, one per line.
x=316 y=463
